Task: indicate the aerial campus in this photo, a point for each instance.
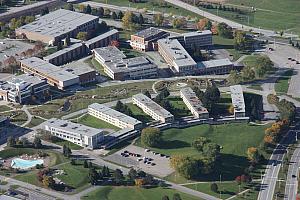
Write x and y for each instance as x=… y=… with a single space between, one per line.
x=149 y=99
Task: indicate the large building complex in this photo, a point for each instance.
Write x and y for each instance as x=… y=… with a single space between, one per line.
x=117 y=67
x=81 y=49
x=176 y=56
x=57 y=76
x=238 y=102
x=146 y=40
x=193 y=103
x=194 y=40
x=76 y=133
x=58 y=25
x=152 y=108
x=22 y=89
x=113 y=117
x=219 y=66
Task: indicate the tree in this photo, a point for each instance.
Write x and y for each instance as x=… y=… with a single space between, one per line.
x=127 y=21
x=132 y=174
x=115 y=43
x=242 y=41
x=224 y=30
x=238 y=180
x=199 y=143
x=100 y=12
x=93 y=176
x=82 y=8
x=105 y=171
x=48 y=181
x=72 y=162
x=211 y=97
x=253 y=154
x=11 y=141
x=158 y=19
x=179 y=22
x=29 y=19
x=118 y=176
x=248 y=74
x=114 y=15
x=85 y=164
x=82 y=36
x=90 y=165
x=234 y=77
x=88 y=9
x=120 y=15
x=69 y=6
x=142 y=174
x=37 y=142
x=141 y=19
x=139 y=182
x=67 y=41
x=25 y=142
x=147 y=93
x=204 y=24
x=176 y=196
x=151 y=136
x=165 y=197
x=59 y=46
x=214 y=187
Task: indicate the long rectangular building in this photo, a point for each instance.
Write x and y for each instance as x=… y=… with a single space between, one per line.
x=113 y=117
x=238 y=102
x=58 y=25
x=117 y=67
x=176 y=56
x=152 y=108
x=76 y=133
x=219 y=66
x=193 y=103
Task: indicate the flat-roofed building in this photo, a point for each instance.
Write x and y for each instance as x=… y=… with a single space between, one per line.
x=146 y=40
x=21 y=89
x=76 y=133
x=113 y=117
x=193 y=103
x=55 y=75
x=152 y=108
x=102 y=40
x=219 y=66
x=57 y=25
x=85 y=73
x=176 y=56
x=194 y=40
x=117 y=67
x=237 y=98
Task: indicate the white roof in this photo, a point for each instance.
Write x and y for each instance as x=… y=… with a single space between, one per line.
x=237 y=98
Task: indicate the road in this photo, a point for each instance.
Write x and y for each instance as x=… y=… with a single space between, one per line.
x=271 y=173
x=220 y=19
x=291 y=188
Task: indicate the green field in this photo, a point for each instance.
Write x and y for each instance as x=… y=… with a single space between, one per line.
x=282 y=84
x=94 y=122
x=138 y=113
x=134 y=193
x=179 y=107
x=35 y=122
x=4 y=108
x=233 y=138
x=68 y=144
x=270 y=14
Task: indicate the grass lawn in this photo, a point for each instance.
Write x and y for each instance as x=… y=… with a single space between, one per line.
x=179 y=108
x=228 y=44
x=68 y=144
x=134 y=193
x=35 y=122
x=234 y=139
x=4 y=108
x=94 y=122
x=82 y=99
x=256 y=87
x=282 y=84
x=96 y=65
x=16 y=117
x=223 y=105
x=139 y=114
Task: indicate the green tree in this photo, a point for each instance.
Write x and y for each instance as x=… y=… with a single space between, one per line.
x=93 y=176
x=85 y=164
x=88 y=9
x=224 y=30
x=141 y=19
x=69 y=6
x=234 y=77
x=151 y=137
x=214 y=187
x=242 y=41
x=82 y=36
x=158 y=19
x=165 y=197
x=147 y=93
x=118 y=176
x=37 y=142
x=199 y=143
x=132 y=174
x=120 y=15
x=114 y=15
x=100 y=12
x=25 y=142
x=248 y=74
x=176 y=196
x=11 y=141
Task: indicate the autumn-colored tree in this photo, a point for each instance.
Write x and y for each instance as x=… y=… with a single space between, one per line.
x=253 y=154
x=238 y=180
x=115 y=43
x=158 y=19
x=231 y=109
x=127 y=21
x=139 y=182
x=29 y=52
x=214 y=29
x=48 y=181
x=204 y=24
x=82 y=8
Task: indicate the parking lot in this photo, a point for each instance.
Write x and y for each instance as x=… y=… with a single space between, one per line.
x=10 y=47
x=139 y=158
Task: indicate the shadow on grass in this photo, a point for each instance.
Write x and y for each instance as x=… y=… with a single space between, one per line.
x=174 y=144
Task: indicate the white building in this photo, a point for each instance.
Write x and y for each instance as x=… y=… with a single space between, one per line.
x=76 y=133
x=238 y=102
x=113 y=117
x=193 y=103
x=152 y=108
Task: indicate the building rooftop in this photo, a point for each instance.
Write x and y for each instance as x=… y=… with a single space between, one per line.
x=215 y=63
x=115 y=114
x=193 y=100
x=150 y=33
x=77 y=68
x=180 y=56
x=48 y=69
x=197 y=33
x=149 y=103
x=100 y=37
x=58 y=22
x=72 y=127
x=237 y=98
x=63 y=51
x=110 y=53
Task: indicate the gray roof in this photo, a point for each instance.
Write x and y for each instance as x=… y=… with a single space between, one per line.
x=150 y=33
x=179 y=55
x=237 y=98
x=63 y=51
x=72 y=127
x=49 y=69
x=197 y=33
x=152 y=105
x=109 y=53
x=58 y=22
x=113 y=113
x=216 y=63
x=102 y=36
x=193 y=100
x=78 y=68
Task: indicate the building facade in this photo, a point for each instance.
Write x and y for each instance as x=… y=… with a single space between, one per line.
x=113 y=117
x=76 y=133
x=238 y=102
x=146 y=40
x=152 y=109
x=193 y=103
x=219 y=67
